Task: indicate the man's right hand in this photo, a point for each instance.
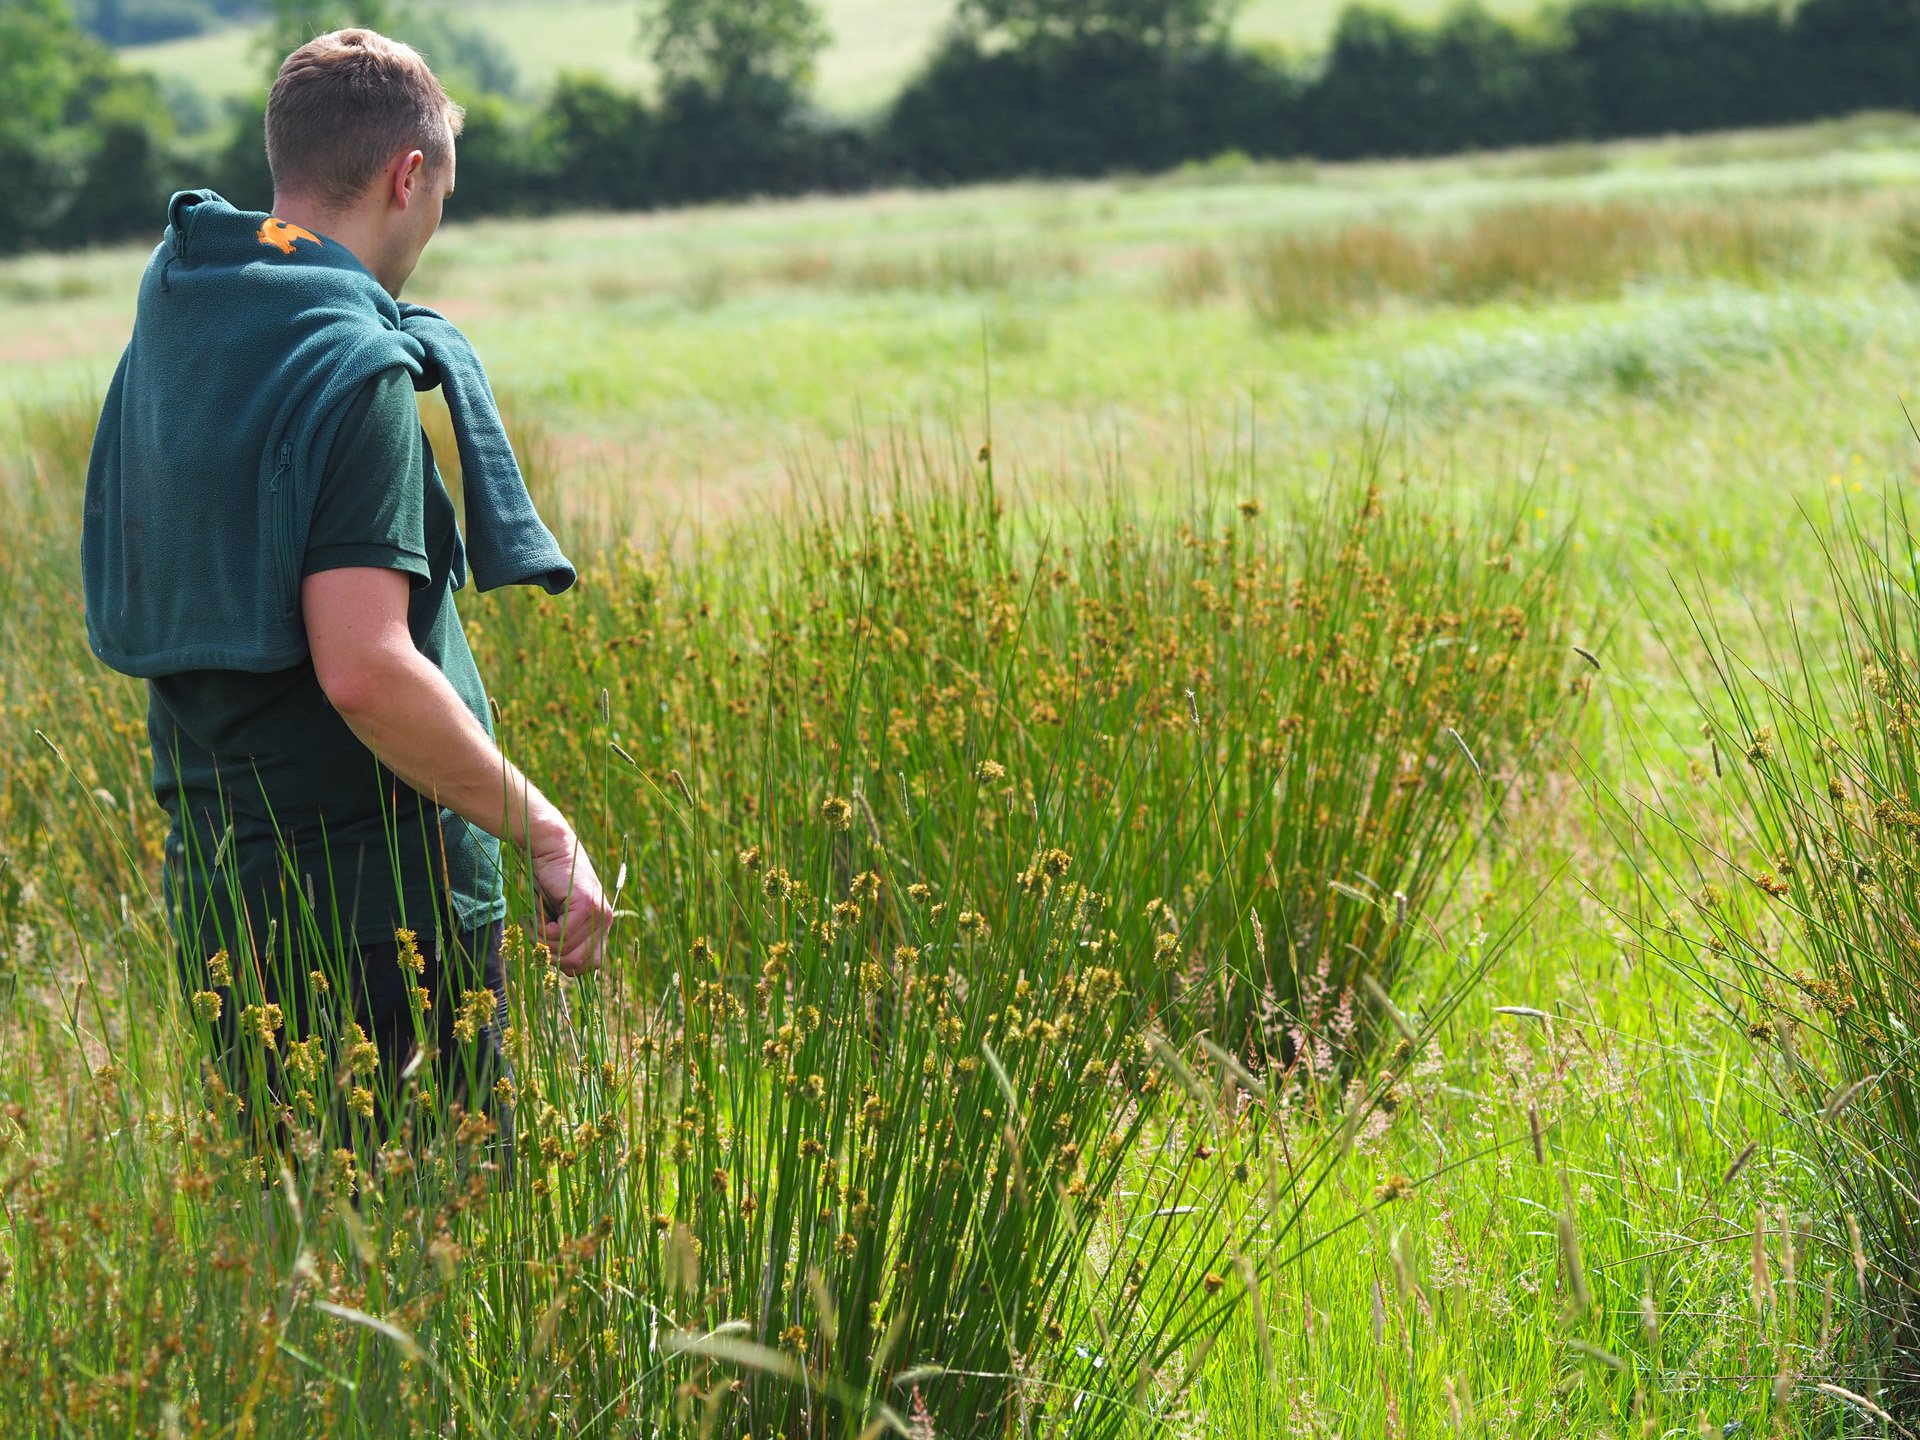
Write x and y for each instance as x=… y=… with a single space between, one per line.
x=405 y=711
x=578 y=914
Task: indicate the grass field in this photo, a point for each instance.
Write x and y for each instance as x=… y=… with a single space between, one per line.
x=1047 y=658
x=876 y=45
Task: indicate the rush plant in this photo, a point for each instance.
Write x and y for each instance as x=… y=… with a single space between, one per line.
x=1794 y=903
x=978 y=883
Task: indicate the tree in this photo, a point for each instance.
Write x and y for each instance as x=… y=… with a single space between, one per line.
x=122 y=189
x=735 y=51
x=73 y=126
x=41 y=54
x=1175 y=26
x=294 y=22
x=601 y=142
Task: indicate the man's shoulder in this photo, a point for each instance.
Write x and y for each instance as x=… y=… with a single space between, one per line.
x=385 y=397
x=378 y=430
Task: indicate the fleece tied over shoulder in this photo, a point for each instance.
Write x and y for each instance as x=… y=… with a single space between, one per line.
x=251 y=338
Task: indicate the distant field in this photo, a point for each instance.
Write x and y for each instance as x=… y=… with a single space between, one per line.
x=876 y=45
x=705 y=347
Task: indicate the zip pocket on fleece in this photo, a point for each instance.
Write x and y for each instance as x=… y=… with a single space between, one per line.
x=280 y=502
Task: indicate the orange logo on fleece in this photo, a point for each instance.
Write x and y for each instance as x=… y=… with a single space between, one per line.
x=280 y=234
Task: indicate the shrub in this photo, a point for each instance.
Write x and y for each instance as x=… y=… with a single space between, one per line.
x=1649 y=67
x=1088 y=108
x=1391 y=87
x=600 y=144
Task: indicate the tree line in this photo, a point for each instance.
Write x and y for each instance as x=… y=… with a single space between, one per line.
x=1015 y=88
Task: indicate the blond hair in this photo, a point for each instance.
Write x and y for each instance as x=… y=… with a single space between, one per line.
x=345 y=104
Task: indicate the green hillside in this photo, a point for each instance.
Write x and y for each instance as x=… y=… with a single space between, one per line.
x=876 y=45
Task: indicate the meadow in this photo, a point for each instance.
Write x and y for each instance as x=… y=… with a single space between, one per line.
x=1269 y=801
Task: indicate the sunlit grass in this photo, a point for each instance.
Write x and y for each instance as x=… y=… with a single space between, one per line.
x=1569 y=1204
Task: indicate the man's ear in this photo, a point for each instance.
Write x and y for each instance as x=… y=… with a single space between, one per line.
x=408 y=172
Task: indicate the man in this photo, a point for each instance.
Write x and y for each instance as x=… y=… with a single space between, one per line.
x=268 y=543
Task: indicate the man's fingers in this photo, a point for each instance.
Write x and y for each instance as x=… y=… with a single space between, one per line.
x=578 y=939
x=577 y=958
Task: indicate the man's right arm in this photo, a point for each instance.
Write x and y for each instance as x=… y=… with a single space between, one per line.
x=404 y=710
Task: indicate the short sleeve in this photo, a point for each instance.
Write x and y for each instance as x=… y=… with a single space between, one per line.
x=371 y=507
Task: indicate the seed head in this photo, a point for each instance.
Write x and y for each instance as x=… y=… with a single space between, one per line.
x=476 y=1009
x=304 y=1058
x=363 y=1056
x=837 y=812
x=260 y=1022
x=1394 y=1187
x=410 y=955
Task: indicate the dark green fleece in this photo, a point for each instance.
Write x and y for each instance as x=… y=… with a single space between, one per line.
x=250 y=340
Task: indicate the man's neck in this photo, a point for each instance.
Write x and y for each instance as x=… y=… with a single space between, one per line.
x=355 y=229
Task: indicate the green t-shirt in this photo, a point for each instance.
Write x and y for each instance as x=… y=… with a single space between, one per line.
x=327 y=846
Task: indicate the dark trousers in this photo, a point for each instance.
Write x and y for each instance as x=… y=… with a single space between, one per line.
x=454 y=1051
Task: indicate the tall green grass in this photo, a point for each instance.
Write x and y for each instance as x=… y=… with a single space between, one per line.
x=1284 y=724
x=994 y=897
x=1796 y=908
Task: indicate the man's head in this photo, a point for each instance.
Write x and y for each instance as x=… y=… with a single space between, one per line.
x=360 y=141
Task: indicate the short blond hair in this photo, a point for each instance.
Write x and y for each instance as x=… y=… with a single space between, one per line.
x=346 y=103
